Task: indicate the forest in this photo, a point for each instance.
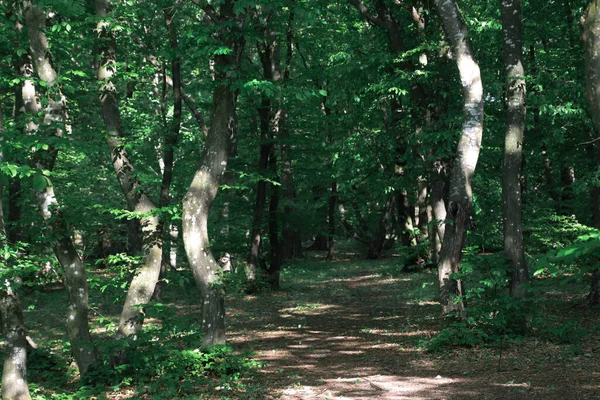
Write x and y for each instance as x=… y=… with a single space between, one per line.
x=300 y=199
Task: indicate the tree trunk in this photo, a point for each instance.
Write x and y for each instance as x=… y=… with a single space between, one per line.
x=14 y=210
x=275 y=252
x=331 y=220
x=14 y=374
x=171 y=138
x=142 y=285
x=423 y=216
x=205 y=185
x=460 y=199
x=513 y=146
x=591 y=43
x=196 y=206
x=261 y=194
x=405 y=219
x=438 y=207
x=74 y=269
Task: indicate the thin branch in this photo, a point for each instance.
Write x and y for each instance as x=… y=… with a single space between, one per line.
x=365 y=12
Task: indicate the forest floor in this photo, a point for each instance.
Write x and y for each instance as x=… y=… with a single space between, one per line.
x=351 y=329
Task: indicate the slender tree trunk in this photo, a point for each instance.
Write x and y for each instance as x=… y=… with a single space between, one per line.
x=405 y=219
x=14 y=210
x=74 y=269
x=331 y=220
x=261 y=194
x=275 y=250
x=591 y=43
x=143 y=284
x=461 y=197
x=513 y=146
x=438 y=206
x=171 y=138
x=423 y=216
x=3 y=235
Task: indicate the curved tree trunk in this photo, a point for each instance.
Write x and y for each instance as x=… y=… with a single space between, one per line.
x=205 y=185
x=591 y=42
x=74 y=269
x=196 y=206
x=461 y=198
x=513 y=146
x=143 y=284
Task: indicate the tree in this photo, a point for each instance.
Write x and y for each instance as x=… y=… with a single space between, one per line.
x=204 y=187
x=143 y=284
x=54 y=118
x=513 y=146
x=461 y=194
x=591 y=41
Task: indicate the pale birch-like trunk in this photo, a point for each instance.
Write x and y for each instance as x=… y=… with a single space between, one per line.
x=461 y=196
x=513 y=146
x=75 y=278
x=591 y=43
x=144 y=282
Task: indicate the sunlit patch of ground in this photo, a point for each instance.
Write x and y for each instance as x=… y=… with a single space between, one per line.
x=348 y=330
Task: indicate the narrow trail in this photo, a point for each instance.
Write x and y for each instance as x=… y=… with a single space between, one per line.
x=351 y=333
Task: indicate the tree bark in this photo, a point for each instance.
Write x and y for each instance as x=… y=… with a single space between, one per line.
x=513 y=146
x=14 y=210
x=14 y=374
x=461 y=197
x=75 y=278
x=171 y=139
x=205 y=185
x=591 y=43
x=275 y=250
x=331 y=221
x=261 y=194
x=438 y=207
x=143 y=284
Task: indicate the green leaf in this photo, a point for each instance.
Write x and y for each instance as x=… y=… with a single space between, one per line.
x=40 y=182
x=323 y=93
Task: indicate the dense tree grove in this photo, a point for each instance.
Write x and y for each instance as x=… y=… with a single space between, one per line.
x=154 y=145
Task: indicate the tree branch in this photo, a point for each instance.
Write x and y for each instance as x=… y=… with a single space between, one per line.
x=366 y=14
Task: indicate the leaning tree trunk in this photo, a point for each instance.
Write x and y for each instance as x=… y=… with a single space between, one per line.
x=513 y=146
x=461 y=197
x=74 y=270
x=591 y=42
x=143 y=284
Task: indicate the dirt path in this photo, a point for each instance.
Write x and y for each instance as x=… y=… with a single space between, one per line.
x=351 y=333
